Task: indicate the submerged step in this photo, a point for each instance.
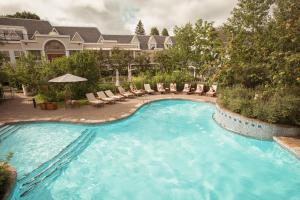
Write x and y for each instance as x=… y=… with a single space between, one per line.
x=8 y=132
x=52 y=168
x=3 y=128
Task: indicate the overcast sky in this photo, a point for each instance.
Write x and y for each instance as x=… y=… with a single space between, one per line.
x=121 y=16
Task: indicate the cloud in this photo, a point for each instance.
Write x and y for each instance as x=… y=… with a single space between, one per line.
x=119 y=16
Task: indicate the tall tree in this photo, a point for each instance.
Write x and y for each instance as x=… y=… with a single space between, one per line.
x=183 y=51
x=154 y=31
x=286 y=39
x=207 y=46
x=139 y=30
x=247 y=47
x=165 y=32
x=24 y=15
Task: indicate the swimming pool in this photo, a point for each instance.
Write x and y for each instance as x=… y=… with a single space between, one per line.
x=169 y=149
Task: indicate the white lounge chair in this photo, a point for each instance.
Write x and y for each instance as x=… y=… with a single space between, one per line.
x=212 y=91
x=135 y=91
x=160 y=88
x=125 y=93
x=93 y=100
x=199 y=89
x=106 y=99
x=173 y=88
x=148 y=89
x=116 y=97
x=187 y=88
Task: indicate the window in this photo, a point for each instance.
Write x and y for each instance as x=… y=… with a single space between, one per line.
x=4 y=57
x=152 y=46
x=168 y=45
x=36 y=54
x=18 y=54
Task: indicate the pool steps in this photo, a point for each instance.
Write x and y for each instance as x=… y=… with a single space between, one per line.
x=7 y=131
x=53 y=167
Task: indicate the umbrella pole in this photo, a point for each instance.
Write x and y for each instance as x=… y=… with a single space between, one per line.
x=67 y=94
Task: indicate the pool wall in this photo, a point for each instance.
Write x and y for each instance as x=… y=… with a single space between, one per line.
x=251 y=127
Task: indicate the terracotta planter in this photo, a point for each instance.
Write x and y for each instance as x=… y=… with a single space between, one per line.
x=51 y=106
x=43 y=106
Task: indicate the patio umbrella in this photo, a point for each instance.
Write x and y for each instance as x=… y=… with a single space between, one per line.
x=67 y=78
x=117 y=78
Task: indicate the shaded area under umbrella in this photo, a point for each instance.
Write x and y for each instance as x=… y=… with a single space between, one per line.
x=67 y=78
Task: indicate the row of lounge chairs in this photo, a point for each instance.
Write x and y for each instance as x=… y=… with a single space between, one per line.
x=187 y=89
x=108 y=97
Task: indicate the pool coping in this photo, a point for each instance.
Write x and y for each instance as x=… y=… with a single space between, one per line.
x=293 y=150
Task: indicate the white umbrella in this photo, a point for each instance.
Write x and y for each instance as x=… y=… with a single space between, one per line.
x=67 y=78
x=117 y=78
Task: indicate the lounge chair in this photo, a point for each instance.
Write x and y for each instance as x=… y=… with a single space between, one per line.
x=212 y=91
x=135 y=91
x=187 y=88
x=93 y=100
x=124 y=93
x=199 y=89
x=106 y=99
x=173 y=88
x=160 y=88
x=148 y=89
x=116 y=97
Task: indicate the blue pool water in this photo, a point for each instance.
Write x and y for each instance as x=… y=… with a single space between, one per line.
x=169 y=149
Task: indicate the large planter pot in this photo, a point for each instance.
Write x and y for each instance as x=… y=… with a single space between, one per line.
x=48 y=106
x=43 y=106
x=51 y=106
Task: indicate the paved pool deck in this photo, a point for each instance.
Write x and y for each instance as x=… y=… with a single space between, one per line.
x=20 y=109
x=292 y=144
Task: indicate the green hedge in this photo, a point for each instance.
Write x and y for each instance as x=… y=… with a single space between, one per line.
x=266 y=104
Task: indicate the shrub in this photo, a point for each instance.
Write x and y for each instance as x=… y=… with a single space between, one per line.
x=266 y=104
x=106 y=86
x=4 y=178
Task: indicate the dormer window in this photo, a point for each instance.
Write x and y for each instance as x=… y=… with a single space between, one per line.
x=152 y=46
x=169 y=45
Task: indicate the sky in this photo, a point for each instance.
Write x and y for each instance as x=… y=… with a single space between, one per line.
x=121 y=16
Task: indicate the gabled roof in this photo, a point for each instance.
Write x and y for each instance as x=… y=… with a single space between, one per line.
x=143 y=41
x=123 y=39
x=160 y=40
x=11 y=35
x=31 y=25
x=88 y=34
x=77 y=38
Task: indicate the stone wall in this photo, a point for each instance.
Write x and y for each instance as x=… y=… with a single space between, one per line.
x=251 y=127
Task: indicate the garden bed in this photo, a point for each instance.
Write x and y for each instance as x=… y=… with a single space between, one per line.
x=7 y=180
